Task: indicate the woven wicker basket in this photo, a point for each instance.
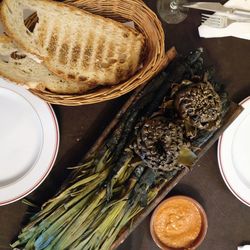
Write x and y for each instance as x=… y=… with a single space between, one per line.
x=146 y=22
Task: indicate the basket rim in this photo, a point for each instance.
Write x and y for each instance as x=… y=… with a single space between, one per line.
x=157 y=58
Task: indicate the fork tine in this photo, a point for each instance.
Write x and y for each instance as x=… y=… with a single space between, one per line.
x=207 y=15
x=209 y=20
x=211 y=17
x=204 y=20
x=215 y=21
x=214 y=17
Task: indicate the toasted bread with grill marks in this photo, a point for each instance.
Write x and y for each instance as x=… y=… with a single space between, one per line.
x=74 y=44
x=17 y=66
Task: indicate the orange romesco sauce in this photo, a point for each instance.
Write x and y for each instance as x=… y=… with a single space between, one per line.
x=177 y=223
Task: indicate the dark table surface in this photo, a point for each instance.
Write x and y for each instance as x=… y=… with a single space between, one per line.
x=228 y=218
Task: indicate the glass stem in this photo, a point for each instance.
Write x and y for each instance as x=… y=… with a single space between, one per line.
x=174 y=5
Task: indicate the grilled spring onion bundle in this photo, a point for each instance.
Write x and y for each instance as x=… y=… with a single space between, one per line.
x=109 y=190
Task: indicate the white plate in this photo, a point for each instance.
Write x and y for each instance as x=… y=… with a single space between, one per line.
x=234 y=155
x=29 y=139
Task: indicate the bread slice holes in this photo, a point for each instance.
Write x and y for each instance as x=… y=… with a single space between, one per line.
x=17 y=56
x=112 y=61
x=71 y=76
x=122 y=58
x=82 y=79
x=30 y=25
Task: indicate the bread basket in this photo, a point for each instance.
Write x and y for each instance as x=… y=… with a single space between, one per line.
x=145 y=21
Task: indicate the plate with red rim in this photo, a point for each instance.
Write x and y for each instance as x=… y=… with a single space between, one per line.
x=234 y=155
x=29 y=141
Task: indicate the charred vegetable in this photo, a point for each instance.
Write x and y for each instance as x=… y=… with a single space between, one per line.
x=160 y=144
x=198 y=105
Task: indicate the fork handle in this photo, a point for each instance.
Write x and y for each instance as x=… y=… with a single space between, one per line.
x=241 y=13
x=247 y=20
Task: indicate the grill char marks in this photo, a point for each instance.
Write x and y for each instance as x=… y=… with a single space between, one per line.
x=99 y=56
x=52 y=46
x=99 y=53
x=76 y=51
x=111 y=50
x=131 y=61
x=110 y=55
x=122 y=71
x=104 y=56
x=88 y=51
x=64 y=53
x=43 y=31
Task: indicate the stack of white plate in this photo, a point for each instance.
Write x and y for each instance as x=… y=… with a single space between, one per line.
x=29 y=139
x=234 y=155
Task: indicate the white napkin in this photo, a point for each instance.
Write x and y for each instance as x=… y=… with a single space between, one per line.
x=246 y=247
x=240 y=30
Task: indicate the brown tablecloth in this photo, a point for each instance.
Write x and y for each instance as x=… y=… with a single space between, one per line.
x=228 y=218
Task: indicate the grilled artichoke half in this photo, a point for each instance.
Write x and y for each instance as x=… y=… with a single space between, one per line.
x=199 y=105
x=160 y=144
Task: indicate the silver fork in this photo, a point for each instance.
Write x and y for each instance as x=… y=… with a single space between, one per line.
x=217 y=21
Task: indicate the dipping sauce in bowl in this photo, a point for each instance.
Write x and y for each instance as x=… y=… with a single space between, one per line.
x=178 y=223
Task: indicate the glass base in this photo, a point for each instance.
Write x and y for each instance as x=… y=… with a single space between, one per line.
x=172 y=11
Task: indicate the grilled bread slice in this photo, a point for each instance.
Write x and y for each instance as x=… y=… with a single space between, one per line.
x=17 y=66
x=74 y=44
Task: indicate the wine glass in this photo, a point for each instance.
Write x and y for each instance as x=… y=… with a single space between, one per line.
x=172 y=11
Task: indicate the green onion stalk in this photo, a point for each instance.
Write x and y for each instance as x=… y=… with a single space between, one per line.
x=88 y=221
